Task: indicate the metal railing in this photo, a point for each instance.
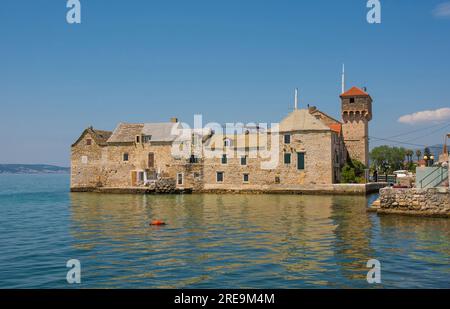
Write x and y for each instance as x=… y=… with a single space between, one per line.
x=387 y=178
x=435 y=178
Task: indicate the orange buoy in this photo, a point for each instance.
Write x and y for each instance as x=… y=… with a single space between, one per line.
x=157 y=222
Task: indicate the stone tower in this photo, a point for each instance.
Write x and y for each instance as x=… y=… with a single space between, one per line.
x=356 y=114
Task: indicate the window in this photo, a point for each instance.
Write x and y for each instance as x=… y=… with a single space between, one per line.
x=151 y=160
x=227 y=142
x=300 y=160
x=287 y=158
x=146 y=138
x=84 y=159
x=141 y=176
x=180 y=179
x=219 y=176
x=277 y=179
x=245 y=177
x=287 y=138
x=352 y=100
x=224 y=159
x=193 y=159
x=88 y=142
x=138 y=139
x=125 y=156
x=244 y=160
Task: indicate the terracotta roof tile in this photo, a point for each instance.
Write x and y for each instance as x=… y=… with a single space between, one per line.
x=354 y=91
x=336 y=127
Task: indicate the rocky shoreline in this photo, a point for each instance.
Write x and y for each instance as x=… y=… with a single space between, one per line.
x=432 y=202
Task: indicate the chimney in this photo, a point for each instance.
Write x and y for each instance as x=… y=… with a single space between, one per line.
x=296 y=99
x=174 y=119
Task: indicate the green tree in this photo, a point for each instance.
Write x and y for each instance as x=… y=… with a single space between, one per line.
x=409 y=155
x=348 y=174
x=353 y=172
x=388 y=159
x=418 y=154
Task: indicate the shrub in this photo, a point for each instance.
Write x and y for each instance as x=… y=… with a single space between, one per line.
x=353 y=172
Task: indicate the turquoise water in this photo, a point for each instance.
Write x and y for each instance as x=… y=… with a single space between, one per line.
x=211 y=241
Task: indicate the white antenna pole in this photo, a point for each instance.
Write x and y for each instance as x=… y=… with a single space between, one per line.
x=296 y=99
x=343 y=79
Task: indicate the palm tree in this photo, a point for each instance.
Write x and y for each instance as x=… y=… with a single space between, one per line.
x=418 y=154
x=409 y=154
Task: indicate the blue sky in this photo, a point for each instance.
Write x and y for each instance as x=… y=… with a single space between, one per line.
x=137 y=61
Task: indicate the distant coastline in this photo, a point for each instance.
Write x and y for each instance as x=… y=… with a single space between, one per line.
x=33 y=169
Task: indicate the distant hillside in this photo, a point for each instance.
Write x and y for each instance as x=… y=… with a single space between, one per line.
x=32 y=169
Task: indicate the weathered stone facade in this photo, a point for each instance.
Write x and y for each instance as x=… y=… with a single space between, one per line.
x=317 y=148
x=433 y=202
x=309 y=148
x=356 y=114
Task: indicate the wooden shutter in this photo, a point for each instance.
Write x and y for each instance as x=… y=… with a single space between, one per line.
x=301 y=160
x=151 y=160
x=133 y=178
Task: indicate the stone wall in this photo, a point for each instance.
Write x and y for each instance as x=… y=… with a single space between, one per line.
x=105 y=166
x=317 y=147
x=86 y=161
x=117 y=173
x=357 y=140
x=356 y=116
x=423 y=202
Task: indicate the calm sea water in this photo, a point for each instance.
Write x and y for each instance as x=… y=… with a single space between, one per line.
x=211 y=241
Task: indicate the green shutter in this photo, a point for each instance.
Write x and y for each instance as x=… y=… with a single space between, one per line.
x=287 y=158
x=301 y=160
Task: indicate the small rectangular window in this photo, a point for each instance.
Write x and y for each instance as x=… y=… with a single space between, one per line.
x=88 y=142
x=125 y=156
x=245 y=177
x=138 y=139
x=244 y=160
x=300 y=160
x=287 y=138
x=352 y=100
x=180 y=179
x=84 y=159
x=277 y=179
x=219 y=176
x=287 y=158
x=224 y=159
x=193 y=159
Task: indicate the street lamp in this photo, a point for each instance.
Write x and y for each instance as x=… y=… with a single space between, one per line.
x=428 y=160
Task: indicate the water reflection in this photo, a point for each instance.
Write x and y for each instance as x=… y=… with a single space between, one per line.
x=238 y=240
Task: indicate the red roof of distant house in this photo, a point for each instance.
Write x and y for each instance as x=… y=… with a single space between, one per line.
x=354 y=91
x=422 y=162
x=336 y=127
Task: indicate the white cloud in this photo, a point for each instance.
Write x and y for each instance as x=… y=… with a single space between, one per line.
x=442 y=10
x=437 y=115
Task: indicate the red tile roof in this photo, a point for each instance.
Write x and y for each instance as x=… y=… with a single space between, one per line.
x=354 y=91
x=336 y=127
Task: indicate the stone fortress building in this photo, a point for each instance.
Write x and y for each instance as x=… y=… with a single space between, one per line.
x=308 y=149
